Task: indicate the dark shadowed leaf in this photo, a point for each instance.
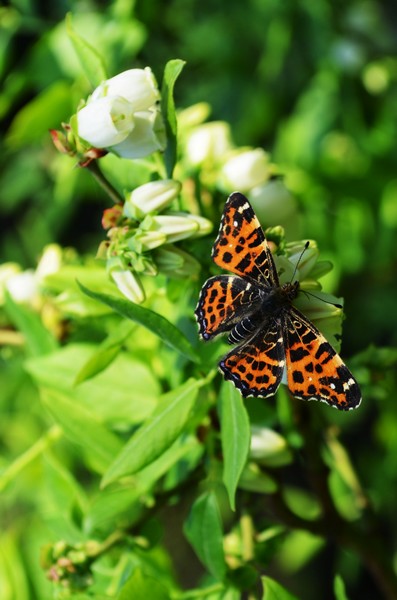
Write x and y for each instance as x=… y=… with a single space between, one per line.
x=203 y=529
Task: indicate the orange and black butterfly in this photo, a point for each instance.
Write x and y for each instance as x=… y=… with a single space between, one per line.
x=270 y=333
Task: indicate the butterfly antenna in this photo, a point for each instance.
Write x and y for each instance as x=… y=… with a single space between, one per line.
x=299 y=259
x=336 y=304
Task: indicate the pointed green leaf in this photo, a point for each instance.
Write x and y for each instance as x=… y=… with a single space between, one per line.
x=274 y=591
x=339 y=588
x=106 y=353
x=38 y=339
x=157 y=434
x=156 y=323
x=90 y=59
x=235 y=436
x=203 y=529
x=172 y=71
x=83 y=428
x=141 y=586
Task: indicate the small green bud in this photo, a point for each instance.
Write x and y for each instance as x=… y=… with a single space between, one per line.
x=154 y=196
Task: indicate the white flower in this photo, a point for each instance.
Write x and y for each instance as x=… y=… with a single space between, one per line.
x=122 y=114
x=246 y=170
x=151 y=197
x=147 y=136
x=105 y=122
x=137 y=86
x=23 y=287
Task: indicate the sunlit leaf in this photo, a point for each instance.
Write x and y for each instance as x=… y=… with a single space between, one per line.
x=90 y=59
x=274 y=591
x=235 y=436
x=83 y=428
x=172 y=71
x=339 y=588
x=141 y=586
x=158 y=432
x=38 y=339
x=106 y=353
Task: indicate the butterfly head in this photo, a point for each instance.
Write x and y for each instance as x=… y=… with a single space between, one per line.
x=290 y=290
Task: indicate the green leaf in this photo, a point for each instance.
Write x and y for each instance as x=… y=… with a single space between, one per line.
x=126 y=381
x=203 y=529
x=172 y=71
x=90 y=59
x=235 y=436
x=46 y=111
x=157 y=434
x=38 y=339
x=141 y=586
x=156 y=323
x=274 y=591
x=114 y=507
x=106 y=353
x=339 y=588
x=83 y=428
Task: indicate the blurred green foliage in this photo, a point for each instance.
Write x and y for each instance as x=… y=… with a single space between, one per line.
x=315 y=84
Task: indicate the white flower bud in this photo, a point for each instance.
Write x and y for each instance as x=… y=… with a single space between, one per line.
x=151 y=197
x=174 y=227
x=208 y=142
x=269 y=447
x=204 y=225
x=246 y=170
x=128 y=283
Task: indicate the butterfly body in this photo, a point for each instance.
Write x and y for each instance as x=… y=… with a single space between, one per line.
x=258 y=314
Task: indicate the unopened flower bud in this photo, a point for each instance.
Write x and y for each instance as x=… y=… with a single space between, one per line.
x=208 y=143
x=128 y=283
x=174 y=227
x=246 y=170
x=268 y=447
x=154 y=196
x=175 y=262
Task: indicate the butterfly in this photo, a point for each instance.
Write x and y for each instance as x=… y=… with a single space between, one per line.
x=257 y=312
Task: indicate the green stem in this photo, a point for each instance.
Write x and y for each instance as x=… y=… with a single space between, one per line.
x=104 y=183
x=29 y=456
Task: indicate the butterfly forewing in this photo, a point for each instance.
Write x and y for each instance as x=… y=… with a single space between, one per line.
x=241 y=246
x=224 y=301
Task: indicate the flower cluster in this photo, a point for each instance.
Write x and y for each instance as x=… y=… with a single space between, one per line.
x=141 y=241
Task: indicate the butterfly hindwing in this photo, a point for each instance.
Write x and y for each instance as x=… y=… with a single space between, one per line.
x=314 y=370
x=256 y=367
x=241 y=246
